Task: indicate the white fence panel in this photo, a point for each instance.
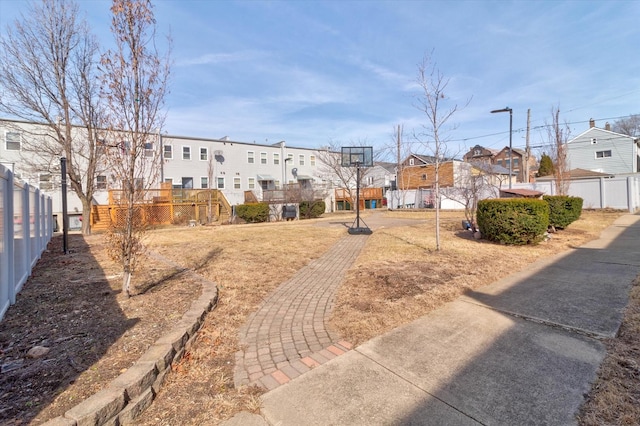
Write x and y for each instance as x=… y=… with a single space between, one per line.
x=620 y=192
x=25 y=231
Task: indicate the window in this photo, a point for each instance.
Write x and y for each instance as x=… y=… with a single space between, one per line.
x=236 y=183
x=187 y=182
x=204 y=154
x=148 y=149
x=13 y=141
x=594 y=141
x=220 y=183
x=204 y=182
x=312 y=160
x=477 y=152
x=45 y=183
x=263 y=158
x=186 y=153
x=603 y=154
x=290 y=158
x=301 y=159
x=499 y=162
x=101 y=182
x=276 y=158
x=515 y=162
x=168 y=152
x=424 y=177
x=252 y=183
x=251 y=157
x=411 y=161
x=277 y=184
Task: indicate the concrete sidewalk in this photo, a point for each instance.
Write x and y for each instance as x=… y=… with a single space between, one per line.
x=522 y=350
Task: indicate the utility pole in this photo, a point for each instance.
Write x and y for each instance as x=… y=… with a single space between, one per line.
x=527 y=154
x=399 y=143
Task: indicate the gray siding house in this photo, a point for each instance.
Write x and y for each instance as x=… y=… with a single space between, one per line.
x=604 y=151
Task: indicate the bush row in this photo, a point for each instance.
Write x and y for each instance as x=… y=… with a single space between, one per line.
x=523 y=220
x=259 y=212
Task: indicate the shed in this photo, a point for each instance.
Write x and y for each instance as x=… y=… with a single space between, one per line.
x=520 y=193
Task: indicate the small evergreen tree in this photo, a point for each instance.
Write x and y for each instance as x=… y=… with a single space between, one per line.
x=546 y=166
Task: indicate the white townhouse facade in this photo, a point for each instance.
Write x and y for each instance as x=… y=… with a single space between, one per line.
x=235 y=167
x=186 y=162
x=604 y=151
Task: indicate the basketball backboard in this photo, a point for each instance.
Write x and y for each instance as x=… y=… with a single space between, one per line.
x=357 y=156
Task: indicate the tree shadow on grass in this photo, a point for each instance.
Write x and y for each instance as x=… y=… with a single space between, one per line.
x=68 y=307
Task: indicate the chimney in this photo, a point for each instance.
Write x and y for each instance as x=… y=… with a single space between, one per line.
x=607 y=126
x=592 y=123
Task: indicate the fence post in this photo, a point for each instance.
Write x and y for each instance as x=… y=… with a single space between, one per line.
x=11 y=255
x=602 y=193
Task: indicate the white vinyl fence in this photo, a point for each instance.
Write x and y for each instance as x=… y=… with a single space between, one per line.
x=26 y=228
x=620 y=192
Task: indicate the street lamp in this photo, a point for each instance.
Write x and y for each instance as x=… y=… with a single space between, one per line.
x=284 y=180
x=510 y=111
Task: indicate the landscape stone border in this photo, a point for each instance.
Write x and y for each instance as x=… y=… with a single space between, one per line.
x=133 y=391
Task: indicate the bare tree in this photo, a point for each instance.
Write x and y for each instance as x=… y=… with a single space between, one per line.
x=558 y=135
x=628 y=126
x=475 y=182
x=48 y=76
x=432 y=101
x=135 y=82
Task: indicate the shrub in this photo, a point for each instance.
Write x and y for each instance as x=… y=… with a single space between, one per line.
x=513 y=220
x=253 y=212
x=312 y=209
x=563 y=210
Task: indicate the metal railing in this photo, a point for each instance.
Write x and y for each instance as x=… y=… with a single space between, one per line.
x=26 y=228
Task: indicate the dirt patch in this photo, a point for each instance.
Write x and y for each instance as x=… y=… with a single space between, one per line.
x=72 y=306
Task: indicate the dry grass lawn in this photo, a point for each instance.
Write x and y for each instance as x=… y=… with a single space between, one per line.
x=397 y=278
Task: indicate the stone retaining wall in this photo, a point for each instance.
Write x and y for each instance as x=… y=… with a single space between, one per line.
x=133 y=391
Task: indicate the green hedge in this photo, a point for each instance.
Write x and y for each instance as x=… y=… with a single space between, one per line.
x=513 y=220
x=253 y=212
x=312 y=209
x=563 y=210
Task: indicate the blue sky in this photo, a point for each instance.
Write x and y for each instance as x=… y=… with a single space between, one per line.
x=311 y=72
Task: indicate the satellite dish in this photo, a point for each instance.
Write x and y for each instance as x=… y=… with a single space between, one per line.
x=294 y=171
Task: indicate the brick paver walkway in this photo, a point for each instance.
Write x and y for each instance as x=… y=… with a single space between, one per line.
x=288 y=335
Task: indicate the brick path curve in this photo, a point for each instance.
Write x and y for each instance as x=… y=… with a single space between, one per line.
x=288 y=335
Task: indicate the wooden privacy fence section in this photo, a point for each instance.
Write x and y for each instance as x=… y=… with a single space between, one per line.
x=165 y=206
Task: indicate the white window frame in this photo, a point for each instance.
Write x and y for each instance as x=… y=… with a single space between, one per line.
x=101 y=185
x=205 y=151
x=411 y=161
x=167 y=153
x=148 y=149
x=276 y=158
x=251 y=157
x=251 y=183
x=290 y=156
x=7 y=141
x=237 y=183
x=603 y=154
x=220 y=179
x=263 y=158
x=301 y=159
x=204 y=182
x=312 y=160
x=186 y=153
